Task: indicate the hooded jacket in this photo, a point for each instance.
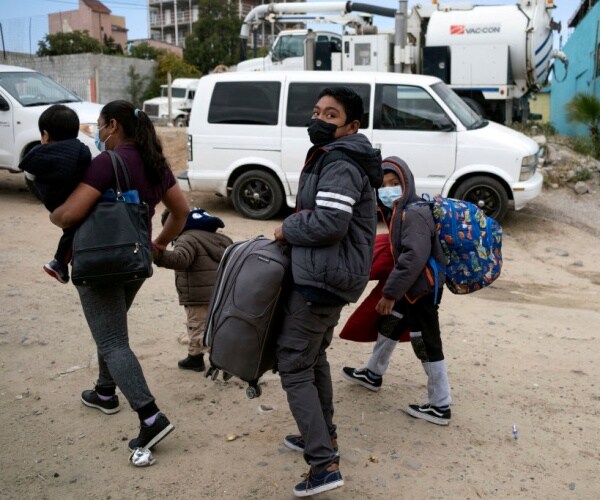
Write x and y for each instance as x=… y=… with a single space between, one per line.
x=195 y=258
x=58 y=167
x=413 y=238
x=332 y=232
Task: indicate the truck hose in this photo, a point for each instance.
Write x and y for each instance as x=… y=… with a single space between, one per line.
x=562 y=57
x=370 y=9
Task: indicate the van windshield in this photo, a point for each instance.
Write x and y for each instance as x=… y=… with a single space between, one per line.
x=35 y=89
x=175 y=92
x=467 y=116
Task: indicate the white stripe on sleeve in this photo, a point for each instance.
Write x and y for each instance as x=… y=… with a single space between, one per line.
x=336 y=196
x=334 y=204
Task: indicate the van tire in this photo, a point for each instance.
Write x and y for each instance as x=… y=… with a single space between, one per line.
x=486 y=193
x=257 y=195
x=180 y=121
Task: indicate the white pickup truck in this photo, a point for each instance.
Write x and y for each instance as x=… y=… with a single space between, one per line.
x=24 y=95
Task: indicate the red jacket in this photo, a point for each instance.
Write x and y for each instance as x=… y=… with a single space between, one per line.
x=362 y=324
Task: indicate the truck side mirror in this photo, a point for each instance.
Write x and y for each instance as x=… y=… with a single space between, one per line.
x=4 y=106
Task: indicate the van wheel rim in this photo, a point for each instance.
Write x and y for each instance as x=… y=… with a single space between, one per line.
x=485 y=198
x=257 y=195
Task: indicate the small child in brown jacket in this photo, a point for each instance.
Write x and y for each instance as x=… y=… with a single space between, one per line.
x=195 y=259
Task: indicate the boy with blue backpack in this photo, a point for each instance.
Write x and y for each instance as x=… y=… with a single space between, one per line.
x=411 y=294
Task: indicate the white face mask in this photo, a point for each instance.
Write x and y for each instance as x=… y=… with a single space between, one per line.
x=388 y=195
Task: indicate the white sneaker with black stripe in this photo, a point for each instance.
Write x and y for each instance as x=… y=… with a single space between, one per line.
x=434 y=414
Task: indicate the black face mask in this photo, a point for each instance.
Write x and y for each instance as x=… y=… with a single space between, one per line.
x=321 y=132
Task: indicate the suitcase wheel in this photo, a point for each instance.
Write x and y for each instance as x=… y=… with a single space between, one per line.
x=209 y=372
x=214 y=374
x=226 y=376
x=253 y=391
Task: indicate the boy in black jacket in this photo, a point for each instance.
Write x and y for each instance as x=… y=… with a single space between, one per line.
x=56 y=167
x=331 y=235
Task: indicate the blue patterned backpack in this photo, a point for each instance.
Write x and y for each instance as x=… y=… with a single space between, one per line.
x=471 y=241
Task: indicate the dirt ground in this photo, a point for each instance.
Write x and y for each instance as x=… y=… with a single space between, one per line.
x=522 y=352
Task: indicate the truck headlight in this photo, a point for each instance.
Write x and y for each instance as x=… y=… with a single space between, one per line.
x=189 y=148
x=528 y=166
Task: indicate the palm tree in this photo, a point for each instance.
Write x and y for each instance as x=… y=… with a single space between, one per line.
x=585 y=109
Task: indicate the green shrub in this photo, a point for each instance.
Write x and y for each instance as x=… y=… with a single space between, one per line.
x=583 y=145
x=534 y=128
x=582 y=174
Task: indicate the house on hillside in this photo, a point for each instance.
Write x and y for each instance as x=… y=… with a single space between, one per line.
x=95 y=18
x=583 y=75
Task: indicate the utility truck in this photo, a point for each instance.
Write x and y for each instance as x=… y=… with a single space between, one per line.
x=493 y=56
x=183 y=91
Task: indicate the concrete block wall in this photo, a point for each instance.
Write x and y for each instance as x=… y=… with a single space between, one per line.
x=94 y=77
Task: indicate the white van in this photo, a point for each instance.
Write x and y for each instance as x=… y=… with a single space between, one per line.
x=248 y=139
x=24 y=95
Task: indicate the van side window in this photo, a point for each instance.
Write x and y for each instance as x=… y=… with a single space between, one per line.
x=402 y=107
x=252 y=103
x=302 y=97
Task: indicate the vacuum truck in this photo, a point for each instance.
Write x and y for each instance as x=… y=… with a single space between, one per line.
x=493 y=56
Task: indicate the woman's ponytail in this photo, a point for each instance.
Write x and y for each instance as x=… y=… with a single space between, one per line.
x=139 y=128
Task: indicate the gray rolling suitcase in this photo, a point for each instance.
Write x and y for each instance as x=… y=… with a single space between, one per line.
x=242 y=320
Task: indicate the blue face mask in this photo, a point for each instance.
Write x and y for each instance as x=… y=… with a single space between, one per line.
x=388 y=195
x=99 y=144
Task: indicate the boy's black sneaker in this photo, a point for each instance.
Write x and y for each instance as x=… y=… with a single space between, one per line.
x=327 y=480
x=362 y=376
x=90 y=398
x=296 y=443
x=151 y=435
x=433 y=414
x=57 y=270
x=195 y=363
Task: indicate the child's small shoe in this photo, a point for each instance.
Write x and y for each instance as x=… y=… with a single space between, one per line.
x=57 y=270
x=195 y=363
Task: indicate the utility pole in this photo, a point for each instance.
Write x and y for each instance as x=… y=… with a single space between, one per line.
x=400 y=36
x=169 y=99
